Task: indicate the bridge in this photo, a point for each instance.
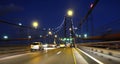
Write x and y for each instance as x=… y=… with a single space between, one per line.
x=65 y=44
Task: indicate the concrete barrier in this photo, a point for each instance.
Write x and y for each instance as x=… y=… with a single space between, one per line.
x=115 y=53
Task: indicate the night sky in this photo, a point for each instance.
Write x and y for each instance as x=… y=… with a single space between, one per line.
x=50 y=13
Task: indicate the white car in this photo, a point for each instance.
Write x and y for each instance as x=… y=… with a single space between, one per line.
x=62 y=45
x=35 y=46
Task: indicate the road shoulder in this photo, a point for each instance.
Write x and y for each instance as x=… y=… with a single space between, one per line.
x=79 y=59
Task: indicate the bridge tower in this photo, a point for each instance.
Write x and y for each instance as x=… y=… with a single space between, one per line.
x=69 y=31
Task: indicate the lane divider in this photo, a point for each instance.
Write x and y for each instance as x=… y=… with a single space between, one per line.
x=74 y=57
x=99 y=62
x=58 y=52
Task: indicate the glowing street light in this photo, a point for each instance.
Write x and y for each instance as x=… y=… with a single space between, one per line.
x=70 y=13
x=75 y=28
x=55 y=36
x=29 y=36
x=35 y=24
x=5 y=37
x=70 y=29
x=55 y=39
x=85 y=36
x=40 y=36
x=20 y=24
x=91 y=5
x=50 y=33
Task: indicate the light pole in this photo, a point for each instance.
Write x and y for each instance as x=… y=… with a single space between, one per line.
x=49 y=33
x=35 y=25
x=55 y=39
x=20 y=30
x=70 y=14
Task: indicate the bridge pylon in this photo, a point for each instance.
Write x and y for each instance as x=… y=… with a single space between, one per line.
x=69 y=31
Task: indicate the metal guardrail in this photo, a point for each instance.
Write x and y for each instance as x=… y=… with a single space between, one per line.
x=115 y=53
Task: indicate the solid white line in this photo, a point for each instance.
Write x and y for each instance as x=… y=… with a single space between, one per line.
x=9 y=57
x=91 y=57
x=58 y=52
x=74 y=57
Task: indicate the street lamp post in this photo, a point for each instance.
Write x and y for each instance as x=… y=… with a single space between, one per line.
x=20 y=30
x=49 y=33
x=35 y=25
x=70 y=14
x=55 y=39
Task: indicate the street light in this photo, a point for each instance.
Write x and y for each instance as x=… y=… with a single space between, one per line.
x=70 y=29
x=70 y=13
x=5 y=37
x=35 y=24
x=55 y=36
x=91 y=5
x=75 y=28
x=50 y=33
x=29 y=37
x=55 y=39
x=85 y=36
x=40 y=36
x=20 y=24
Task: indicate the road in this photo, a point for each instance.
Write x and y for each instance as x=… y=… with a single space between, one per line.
x=56 y=56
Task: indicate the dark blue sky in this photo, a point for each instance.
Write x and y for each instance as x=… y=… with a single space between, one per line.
x=50 y=13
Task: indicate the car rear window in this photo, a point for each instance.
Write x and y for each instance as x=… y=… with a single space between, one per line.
x=35 y=43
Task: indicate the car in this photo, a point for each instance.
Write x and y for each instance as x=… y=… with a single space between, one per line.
x=62 y=45
x=36 y=46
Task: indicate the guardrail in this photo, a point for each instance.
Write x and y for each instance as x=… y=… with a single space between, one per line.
x=115 y=53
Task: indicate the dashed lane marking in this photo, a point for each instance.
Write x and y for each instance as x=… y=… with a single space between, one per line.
x=58 y=52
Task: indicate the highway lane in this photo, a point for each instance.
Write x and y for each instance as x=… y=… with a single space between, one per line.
x=56 y=56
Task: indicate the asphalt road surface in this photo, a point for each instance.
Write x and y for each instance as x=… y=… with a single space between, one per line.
x=56 y=56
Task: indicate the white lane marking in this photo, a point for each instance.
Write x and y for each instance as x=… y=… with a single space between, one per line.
x=91 y=57
x=9 y=57
x=74 y=57
x=79 y=58
x=58 y=52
